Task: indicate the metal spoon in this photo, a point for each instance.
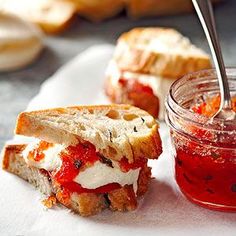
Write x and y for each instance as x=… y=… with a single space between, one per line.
x=205 y=14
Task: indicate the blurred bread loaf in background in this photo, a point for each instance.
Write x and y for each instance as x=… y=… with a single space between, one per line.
x=98 y=10
x=146 y=62
x=159 y=51
x=53 y=16
x=143 y=8
x=20 y=42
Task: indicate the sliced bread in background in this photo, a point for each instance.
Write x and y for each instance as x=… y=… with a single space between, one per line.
x=159 y=51
x=53 y=16
x=146 y=62
x=139 y=8
x=20 y=42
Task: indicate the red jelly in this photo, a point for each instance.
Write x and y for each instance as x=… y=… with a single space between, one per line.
x=204 y=148
x=75 y=187
x=126 y=166
x=37 y=154
x=76 y=158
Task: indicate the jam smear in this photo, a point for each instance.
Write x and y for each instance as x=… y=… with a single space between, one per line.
x=75 y=187
x=37 y=154
x=126 y=166
x=141 y=95
x=206 y=173
x=73 y=159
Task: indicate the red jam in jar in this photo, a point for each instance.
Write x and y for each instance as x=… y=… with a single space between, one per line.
x=204 y=147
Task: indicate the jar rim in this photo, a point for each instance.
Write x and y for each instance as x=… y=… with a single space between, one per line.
x=183 y=93
x=231 y=71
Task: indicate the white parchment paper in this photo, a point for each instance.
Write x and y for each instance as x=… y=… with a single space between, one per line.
x=163 y=211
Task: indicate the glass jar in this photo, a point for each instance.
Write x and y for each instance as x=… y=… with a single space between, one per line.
x=204 y=148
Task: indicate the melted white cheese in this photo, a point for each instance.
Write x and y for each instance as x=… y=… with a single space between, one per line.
x=50 y=162
x=100 y=174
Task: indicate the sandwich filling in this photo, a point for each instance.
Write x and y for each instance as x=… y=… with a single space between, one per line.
x=81 y=168
x=154 y=88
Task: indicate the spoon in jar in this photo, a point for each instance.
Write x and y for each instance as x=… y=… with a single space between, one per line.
x=205 y=14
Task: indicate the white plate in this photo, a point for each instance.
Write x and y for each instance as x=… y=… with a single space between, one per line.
x=163 y=211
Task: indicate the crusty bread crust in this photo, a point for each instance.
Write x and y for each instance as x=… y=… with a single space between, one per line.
x=139 y=51
x=85 y=204
x=13 y=162
x=116 y=131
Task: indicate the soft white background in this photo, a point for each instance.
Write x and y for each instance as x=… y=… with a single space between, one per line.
x=164 y=211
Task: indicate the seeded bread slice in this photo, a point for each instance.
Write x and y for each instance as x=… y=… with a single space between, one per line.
x=159 y=51
x=116 y=131
x=85 y=204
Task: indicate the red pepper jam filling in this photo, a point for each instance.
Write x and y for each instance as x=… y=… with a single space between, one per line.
x=141 y=95
x=77 y=158
x=207 y=174
x=126 y=166
x=37 y=154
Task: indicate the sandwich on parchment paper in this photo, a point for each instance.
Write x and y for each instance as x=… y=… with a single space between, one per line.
x=88 y=157
x=146 y=62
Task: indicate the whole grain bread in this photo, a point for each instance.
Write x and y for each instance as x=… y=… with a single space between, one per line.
x=85 y=204
x=159 y=51
x=116 y=131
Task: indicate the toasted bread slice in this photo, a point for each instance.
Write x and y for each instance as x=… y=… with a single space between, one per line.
x=116 y=131
x=53 y=16
x=97 y=10
x=85 y=204
x=159 y=51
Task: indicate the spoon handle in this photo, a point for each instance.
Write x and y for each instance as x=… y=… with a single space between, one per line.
x=206 y=16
